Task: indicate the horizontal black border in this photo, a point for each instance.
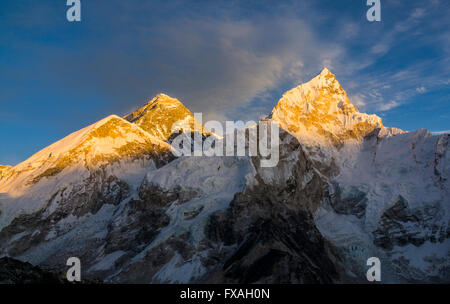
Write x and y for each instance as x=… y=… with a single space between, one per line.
x=162 y=294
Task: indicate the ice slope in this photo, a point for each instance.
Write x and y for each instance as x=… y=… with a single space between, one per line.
x=215 y=180
x=210 y=184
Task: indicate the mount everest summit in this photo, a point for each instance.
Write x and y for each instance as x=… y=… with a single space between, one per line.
x=346 y=188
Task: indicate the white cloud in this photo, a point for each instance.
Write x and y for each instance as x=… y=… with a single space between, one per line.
x=421 y=90
x=418 y=13
x=441 y=132
x=388 y=106
x=358 y=101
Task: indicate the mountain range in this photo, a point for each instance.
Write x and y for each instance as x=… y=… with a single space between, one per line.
x=346 y=188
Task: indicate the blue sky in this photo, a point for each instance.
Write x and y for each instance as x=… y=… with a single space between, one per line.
x=227 y=59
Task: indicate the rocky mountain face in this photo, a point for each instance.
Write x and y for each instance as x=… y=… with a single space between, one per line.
x=13 y=271
x=390 y=200
x=4 y=170
x=345 y=188
x=319 y=111
x=162 y=116
x=16 y=272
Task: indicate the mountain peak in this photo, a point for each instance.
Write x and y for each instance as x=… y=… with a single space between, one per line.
x=105 y=120
x=325 y=72
x=320 y=111
x=164 y=98
x=160 y=114
x=325 y=77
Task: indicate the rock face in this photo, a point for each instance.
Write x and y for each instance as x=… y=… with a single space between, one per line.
x=16 y=272
x=350 y=202
x=400 y=225
x=345 y=189
x=272 y=227
x=162 y=115
x=4 y=170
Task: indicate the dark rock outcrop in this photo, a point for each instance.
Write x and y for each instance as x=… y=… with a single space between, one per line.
x=13 y=271
x=400 y=225
x=351 y=202
x=273 y=228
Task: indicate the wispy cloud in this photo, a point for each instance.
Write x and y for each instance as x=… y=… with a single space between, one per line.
x=421 y=90
x=441 y=132
x=389 y=105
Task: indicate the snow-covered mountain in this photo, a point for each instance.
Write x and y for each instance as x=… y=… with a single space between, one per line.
x=72 y=164
x=388 y=189
x=390 y=199
x=104 y=142
x=346 y=188
x=319 y=111
x=163 y=115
